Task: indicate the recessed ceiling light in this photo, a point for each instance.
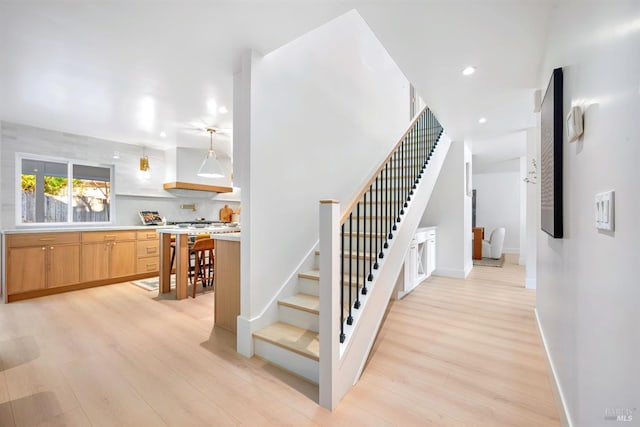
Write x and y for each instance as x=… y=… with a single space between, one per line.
x=482 y=120
x=163 y=134
x=116 y=155
x=468 y=70
x=212 y=106
x=223 y=110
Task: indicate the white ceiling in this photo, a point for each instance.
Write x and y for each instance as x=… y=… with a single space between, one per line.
x=128 y=70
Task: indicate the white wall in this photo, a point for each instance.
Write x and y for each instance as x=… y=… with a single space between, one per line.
x=449 y=209
x=467 y=234
x=132 y=192
x=2 y=166
x=588 y=291
x=498 y=201
x=325 y=110
x=533 y=207
x=523 y=210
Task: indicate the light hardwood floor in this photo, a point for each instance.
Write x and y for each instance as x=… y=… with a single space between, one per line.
x=454 y=352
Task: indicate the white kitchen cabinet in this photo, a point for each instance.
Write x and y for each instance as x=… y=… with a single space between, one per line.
x=421 y=259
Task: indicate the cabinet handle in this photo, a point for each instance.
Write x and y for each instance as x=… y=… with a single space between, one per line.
x=47 y=239
x=151 y=250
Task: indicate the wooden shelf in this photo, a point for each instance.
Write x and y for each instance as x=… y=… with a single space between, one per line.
x=199 y=187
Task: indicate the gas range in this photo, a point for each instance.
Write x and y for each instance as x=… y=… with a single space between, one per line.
x=194 y=222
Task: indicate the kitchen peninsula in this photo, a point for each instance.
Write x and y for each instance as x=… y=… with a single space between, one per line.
x=226 y=268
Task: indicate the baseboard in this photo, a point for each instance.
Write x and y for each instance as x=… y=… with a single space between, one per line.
x=522 y=260
x=244 y=340
x=457 y=274
x=530 y=282
x=467 y=269
x=511 y=251
x=561 y=404
x=76 y=287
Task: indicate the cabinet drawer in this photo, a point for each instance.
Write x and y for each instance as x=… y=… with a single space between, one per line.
x=147 y=235
x=148 y=248
x=148 y=265
x=41 y=239
x=108 y=236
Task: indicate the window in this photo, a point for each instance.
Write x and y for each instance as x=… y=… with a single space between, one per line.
x=57 y=191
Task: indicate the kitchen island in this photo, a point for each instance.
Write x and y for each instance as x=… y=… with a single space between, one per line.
x=226 y=268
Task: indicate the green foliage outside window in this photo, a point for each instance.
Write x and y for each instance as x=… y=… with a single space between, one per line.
x=53 y=185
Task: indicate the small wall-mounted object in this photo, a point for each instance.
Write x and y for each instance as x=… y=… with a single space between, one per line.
x=605 y=210
x=191 y=206
x=537 y=101
x=574 y=124
x=467 y=171
x=532 y=174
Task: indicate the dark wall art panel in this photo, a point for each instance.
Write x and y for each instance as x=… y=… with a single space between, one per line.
x=551 y=157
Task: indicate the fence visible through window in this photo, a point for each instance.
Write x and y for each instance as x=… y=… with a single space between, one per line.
x=58 y=192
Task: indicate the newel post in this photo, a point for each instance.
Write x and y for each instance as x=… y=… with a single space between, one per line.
x=329 y=302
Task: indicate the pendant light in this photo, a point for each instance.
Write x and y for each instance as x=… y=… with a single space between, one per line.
x=210 y=167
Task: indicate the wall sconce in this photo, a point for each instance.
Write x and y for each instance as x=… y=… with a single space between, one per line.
x=145 y=172
x=532 y=175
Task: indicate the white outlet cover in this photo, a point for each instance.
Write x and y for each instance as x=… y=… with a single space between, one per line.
x=605 y=210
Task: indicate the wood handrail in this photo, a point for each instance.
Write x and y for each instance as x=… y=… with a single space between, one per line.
x=352 y=204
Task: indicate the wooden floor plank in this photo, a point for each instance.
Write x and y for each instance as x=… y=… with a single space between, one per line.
x=452 y=353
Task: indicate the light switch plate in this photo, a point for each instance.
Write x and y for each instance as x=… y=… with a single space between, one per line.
x=605 y=210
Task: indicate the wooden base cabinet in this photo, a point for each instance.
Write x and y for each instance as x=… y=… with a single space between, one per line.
x=26 y=269
x=95 y=261
x=107 y=255
x=40 y=261
x=39 y=264
x=64 y=265
x=147 y=252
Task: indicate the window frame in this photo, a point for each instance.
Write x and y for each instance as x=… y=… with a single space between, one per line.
x=70 y=163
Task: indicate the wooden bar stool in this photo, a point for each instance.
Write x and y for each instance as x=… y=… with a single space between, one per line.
x=204 y=255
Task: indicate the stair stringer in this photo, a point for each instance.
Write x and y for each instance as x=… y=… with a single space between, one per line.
x=341 y=364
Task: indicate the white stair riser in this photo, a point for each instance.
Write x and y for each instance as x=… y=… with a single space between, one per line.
x=311 y=287
x=287 y=360
x=300 y=318
x=364 y=266
x=308 y=286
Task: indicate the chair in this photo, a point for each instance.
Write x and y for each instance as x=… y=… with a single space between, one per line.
x=492 y=248
x=203 y=256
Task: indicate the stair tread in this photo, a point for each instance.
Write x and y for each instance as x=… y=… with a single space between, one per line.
x=304 y=302
x=301 y=341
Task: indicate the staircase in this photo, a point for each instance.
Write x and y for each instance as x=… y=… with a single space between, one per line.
x=372 y=228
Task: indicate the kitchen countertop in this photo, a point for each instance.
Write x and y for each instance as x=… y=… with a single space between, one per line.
x=232 y=237
x=221 y=233
x=64 y=229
